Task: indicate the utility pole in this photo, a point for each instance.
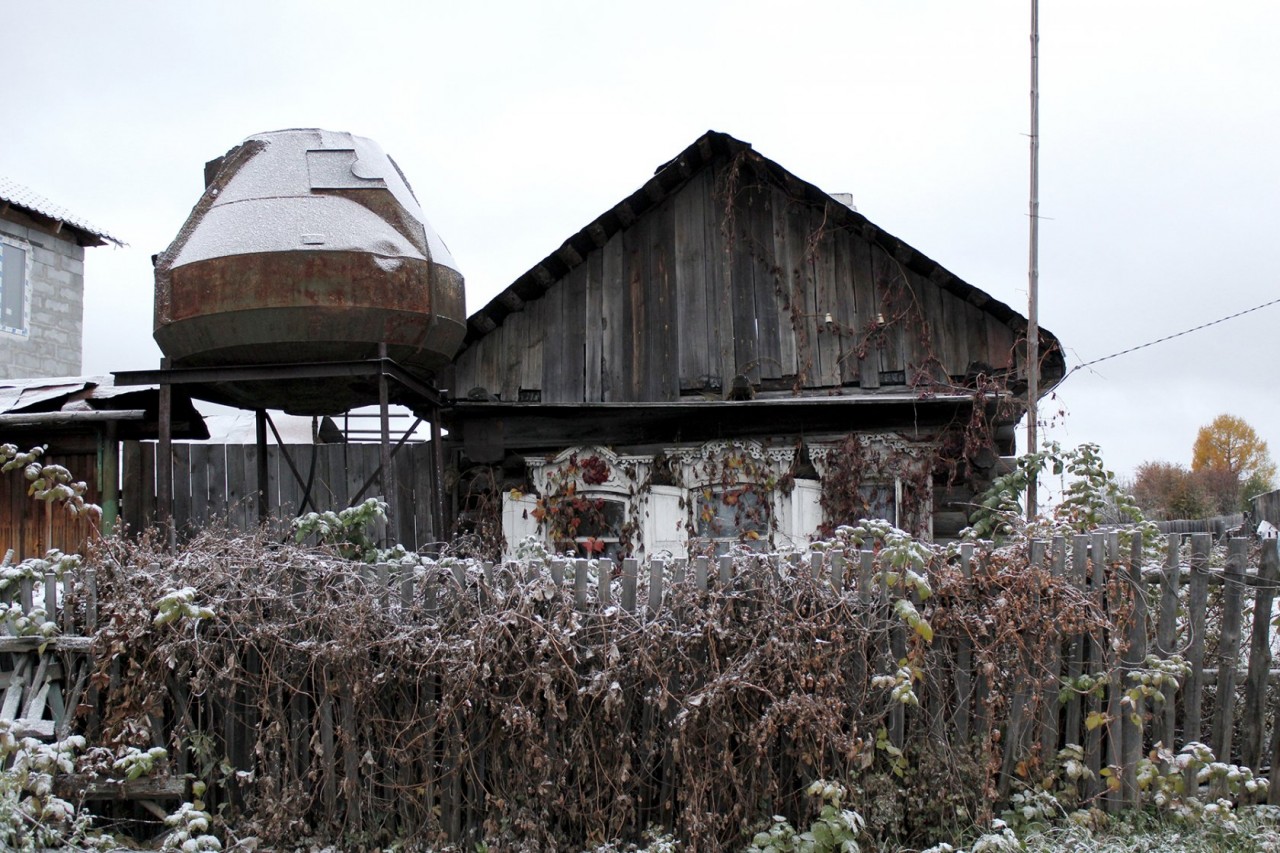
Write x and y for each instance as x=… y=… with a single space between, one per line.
x=1033 y=271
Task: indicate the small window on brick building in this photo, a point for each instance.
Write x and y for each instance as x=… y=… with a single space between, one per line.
x=15 y=287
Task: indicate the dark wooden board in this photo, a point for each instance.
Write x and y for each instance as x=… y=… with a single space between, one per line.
x=615 y=321
x=594 y=328
x=693 y=336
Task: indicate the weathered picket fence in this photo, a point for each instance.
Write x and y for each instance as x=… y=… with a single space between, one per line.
x=380 y=737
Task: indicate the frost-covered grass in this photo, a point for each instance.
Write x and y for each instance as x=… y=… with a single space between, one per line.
x=1252 y=830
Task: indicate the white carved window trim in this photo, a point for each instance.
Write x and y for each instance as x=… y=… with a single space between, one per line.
x=692 y=462
x=619 y=487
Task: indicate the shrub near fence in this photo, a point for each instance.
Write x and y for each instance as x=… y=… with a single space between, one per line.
x=561 y=703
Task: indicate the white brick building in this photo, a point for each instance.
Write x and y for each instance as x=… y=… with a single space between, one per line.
x=41 y=284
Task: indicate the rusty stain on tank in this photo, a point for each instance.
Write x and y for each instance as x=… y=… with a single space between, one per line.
x=307 y=246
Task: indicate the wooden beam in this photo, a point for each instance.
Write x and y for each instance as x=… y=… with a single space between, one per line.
x=569 y=255
x=56 y=418
x=626 y=215
x=597 y=234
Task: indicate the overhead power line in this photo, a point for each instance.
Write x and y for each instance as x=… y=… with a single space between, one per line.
x=1171 y=337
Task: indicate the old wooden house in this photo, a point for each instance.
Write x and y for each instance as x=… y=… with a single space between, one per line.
x=731 y=355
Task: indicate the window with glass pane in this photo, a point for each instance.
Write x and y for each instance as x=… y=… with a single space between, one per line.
x=13 y=288
x=878 y=503
x=726 y=516
x=596 y=523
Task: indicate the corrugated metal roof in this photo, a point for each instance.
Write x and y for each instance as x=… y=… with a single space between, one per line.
x=24 y=197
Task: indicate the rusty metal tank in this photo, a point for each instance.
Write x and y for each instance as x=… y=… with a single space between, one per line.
x=307 y=246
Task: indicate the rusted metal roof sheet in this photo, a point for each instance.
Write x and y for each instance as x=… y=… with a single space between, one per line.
x=42 y=397
x=17 y=195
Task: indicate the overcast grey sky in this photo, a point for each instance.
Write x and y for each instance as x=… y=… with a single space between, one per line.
x=517 y=123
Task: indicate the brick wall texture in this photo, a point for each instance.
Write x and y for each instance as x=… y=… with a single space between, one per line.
x=55 y=325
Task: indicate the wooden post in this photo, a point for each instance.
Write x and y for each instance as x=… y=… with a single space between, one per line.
x=164 y=456
x=963 y=677
x=1228 y=655
x=1167 y=634
x=630 y=570
x=1198 y=599
x=387 y=476
x=1252 y=721
x=580 y=584
x=264 y=473
x=1131 y=749
x=111 y=476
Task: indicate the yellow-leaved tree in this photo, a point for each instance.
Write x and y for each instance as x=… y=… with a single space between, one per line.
x=1231 y=451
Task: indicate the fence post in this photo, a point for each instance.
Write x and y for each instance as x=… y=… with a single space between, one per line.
x=1228 y=655
x=604 y=577
x=1253 y=720
x=1198 y=599
x=1131 y=749
x=656 y=571
x=580 y=584
x=1167 y=633
x=630 y=568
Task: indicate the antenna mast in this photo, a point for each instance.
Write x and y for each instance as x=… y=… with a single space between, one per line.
x=1033 y=271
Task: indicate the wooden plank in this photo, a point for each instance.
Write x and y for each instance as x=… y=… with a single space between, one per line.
x=824 y=267
x=657 y=571
x=1228 y=657
x=630 y=571
x=1050 y=707
x=198 y=460
x=870 y=259
x=693 y=338
x=290 y=488
x=181 y=453
x=615 y=321
x=700 y=572
x=604 y=580
x=1167 y=638
x=580 y=584
x=844 y=312
x=636 y=312
x=720 y=287
x=962 y=676
x=250 y=498
x=662 y=359
x=405 y=516
x=1253 y=716
x=1096 y=661
x=788 y=360
x=891 y=281
x=563 y=376
x=1196 y=602
x=515 y=343
x=422 y=460
x=594 y=329
x=1114 y=796
x=1135 y=659
x=131 y=491
x=769 y=320
x=238 y=488
x=217 y=477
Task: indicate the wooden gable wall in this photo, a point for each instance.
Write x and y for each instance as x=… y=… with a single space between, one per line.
x=730 y=275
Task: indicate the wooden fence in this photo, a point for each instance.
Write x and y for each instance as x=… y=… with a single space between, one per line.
x=218 y=483
x=1226 y=700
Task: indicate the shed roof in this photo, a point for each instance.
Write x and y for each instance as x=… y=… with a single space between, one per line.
x=669 y=177
x=17 y=195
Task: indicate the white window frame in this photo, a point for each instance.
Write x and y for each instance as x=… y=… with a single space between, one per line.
x=6 y=277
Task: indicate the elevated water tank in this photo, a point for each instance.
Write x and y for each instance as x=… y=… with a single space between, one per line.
x=307 y=246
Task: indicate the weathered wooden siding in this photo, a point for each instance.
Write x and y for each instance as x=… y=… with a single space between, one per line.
x=729 y=276
x=216 y=484
x=31 y=527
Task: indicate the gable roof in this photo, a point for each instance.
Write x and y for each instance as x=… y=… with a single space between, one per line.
x=669 y=177
x=28 y=200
